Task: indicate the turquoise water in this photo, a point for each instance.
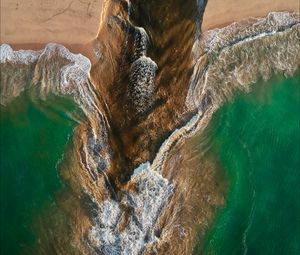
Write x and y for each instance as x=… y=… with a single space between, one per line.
x=256 y=140
x=33 y=137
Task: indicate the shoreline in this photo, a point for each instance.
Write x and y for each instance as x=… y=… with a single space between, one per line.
x=86 y=50
x=204 y=99
x=219 y=13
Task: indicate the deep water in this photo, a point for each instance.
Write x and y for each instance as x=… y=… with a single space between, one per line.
x=33 y=137
x=256 y=140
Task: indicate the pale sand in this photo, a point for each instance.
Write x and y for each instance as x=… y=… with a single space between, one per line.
x=43 y=21
x=219 y=13
x=31 y=24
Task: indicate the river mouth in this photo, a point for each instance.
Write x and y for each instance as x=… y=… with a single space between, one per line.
x=34 y=137
x=255 y=138
x=129 y=188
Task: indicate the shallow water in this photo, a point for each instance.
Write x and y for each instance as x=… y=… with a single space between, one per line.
x=33 y=138
x=256 y=140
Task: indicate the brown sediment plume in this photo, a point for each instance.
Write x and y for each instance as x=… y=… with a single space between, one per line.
x=227 y=60
x=168 y=71
x=200 y=189
x=131 y=188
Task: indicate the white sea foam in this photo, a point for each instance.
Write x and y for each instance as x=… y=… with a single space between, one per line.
x=193 y=101
x=131 y=240
x=56 y=70
x=127 y=226
x=20 y=57
x=143 y=208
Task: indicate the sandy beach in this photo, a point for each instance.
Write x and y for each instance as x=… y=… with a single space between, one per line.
x=32 y=24
x=219 y=13
x=42 y=21
x=136 y=179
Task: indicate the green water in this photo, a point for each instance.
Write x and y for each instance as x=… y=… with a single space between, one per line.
x=256 y=140
x=33 y=139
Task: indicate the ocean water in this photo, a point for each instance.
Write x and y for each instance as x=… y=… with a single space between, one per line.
x=256 y=140
x=33 y=137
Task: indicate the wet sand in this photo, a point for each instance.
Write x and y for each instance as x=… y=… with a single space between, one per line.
x=86 y=49
x=219 y=13
x=137 y=140
x=75 y=24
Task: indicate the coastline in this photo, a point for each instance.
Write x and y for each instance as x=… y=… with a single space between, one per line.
x=202 y=96
x=86 y=50
x=220 y=13
x=217 y=14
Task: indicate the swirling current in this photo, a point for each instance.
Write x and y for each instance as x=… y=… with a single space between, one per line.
x=127 y=184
